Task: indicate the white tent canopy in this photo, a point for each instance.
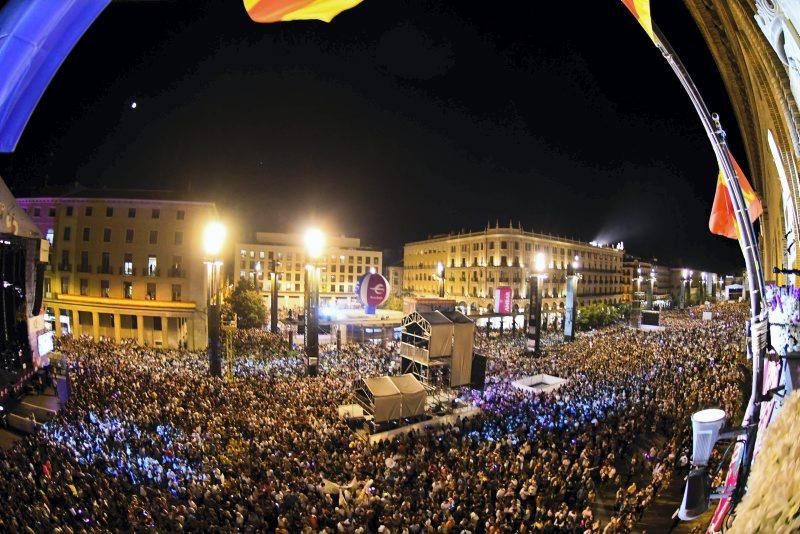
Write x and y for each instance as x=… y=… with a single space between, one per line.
x=413 y=393
x=391 y=397
x=387 y=401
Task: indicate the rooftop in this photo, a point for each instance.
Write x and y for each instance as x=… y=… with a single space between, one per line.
x=78 y=191
x=511 y=230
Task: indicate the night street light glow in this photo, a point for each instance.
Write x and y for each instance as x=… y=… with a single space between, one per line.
x=314 y=241
x=213 y=238
x=540 y=262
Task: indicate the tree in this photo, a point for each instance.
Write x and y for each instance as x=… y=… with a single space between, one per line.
x=598 y=315
x=248 y=305
x=394 y=302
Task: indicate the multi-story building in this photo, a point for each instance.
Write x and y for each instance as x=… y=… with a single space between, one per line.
x=125 y=265
x=695 y=285
x=477 y=263
x=638 y=276
x=343 y=262
x=394 y=275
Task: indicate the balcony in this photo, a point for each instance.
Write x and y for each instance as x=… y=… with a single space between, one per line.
x=177 y=272
x=127 y=271
x=84 y=268
x=104 y=269
x=65 y=267
x=152 y=272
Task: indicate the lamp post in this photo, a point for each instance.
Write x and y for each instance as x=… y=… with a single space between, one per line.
x=684 y=277
x=440 y=275
x=570 y=307
x=273 y=297
x=213 y=240
x=256 y=274
x=535 y=306
x=314 y=241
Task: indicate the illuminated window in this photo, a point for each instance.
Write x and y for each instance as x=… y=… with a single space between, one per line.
x=789 y=214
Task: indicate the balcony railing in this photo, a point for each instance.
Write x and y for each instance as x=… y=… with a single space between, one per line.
x=65 y=267
x=127 y=271
x=104 y=269
x=177 y=272
x=151 y=271
x=84 y=268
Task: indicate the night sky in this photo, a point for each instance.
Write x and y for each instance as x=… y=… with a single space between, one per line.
x=399 y=120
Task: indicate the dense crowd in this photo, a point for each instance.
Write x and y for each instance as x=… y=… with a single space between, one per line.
x=149 y=441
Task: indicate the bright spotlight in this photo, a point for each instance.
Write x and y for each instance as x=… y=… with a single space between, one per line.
x=540 y=262
x=314 y=241
x=214 y=238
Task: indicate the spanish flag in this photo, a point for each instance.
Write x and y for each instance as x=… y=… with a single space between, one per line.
x=283 y=10
x=641 y=10
x=723 y=217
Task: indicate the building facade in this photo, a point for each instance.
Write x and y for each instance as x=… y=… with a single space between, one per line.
x=477 y=263
x=756 y=46
x=343 y=262
x=394 y=275
x=125 y=265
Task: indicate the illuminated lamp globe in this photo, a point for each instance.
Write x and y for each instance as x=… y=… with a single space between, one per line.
x=314 y=241
x=214 y=238
x=540 y=262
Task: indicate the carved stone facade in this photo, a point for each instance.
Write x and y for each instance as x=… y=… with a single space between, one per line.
x=756 y=46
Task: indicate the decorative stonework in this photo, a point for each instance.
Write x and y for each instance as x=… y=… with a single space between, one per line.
x=780 y=22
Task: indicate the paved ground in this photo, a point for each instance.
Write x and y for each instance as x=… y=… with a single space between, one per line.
x=41 y=407
x=7 y=439
x=658 y=516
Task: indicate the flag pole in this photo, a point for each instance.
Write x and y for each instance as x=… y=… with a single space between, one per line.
x=744 y=450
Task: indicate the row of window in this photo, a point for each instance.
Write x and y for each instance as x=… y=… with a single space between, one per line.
x=253 y=266
x=289 y=257
x=88 y=211
x=105 y=289
x=529 y=247
x=127 y=268
x=129 y=235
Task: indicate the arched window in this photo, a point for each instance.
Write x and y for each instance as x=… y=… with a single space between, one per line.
x=789 y=214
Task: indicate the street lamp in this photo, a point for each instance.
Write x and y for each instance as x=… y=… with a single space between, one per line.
x=314 y=241
x=213 y=242
x=256 y=274
x=570 y=313
x=685 y=273
x=440 y=275
x=535 y=305
x=273 y=295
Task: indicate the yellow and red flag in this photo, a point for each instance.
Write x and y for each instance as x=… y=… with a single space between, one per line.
x=723 y=217
x=283 y=10
x=641 y=10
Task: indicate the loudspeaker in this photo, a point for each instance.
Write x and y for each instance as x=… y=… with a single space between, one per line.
x=478 y=374
x=706 y=425
x=695 y=495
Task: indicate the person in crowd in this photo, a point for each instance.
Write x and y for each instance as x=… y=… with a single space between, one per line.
x=150 y=441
